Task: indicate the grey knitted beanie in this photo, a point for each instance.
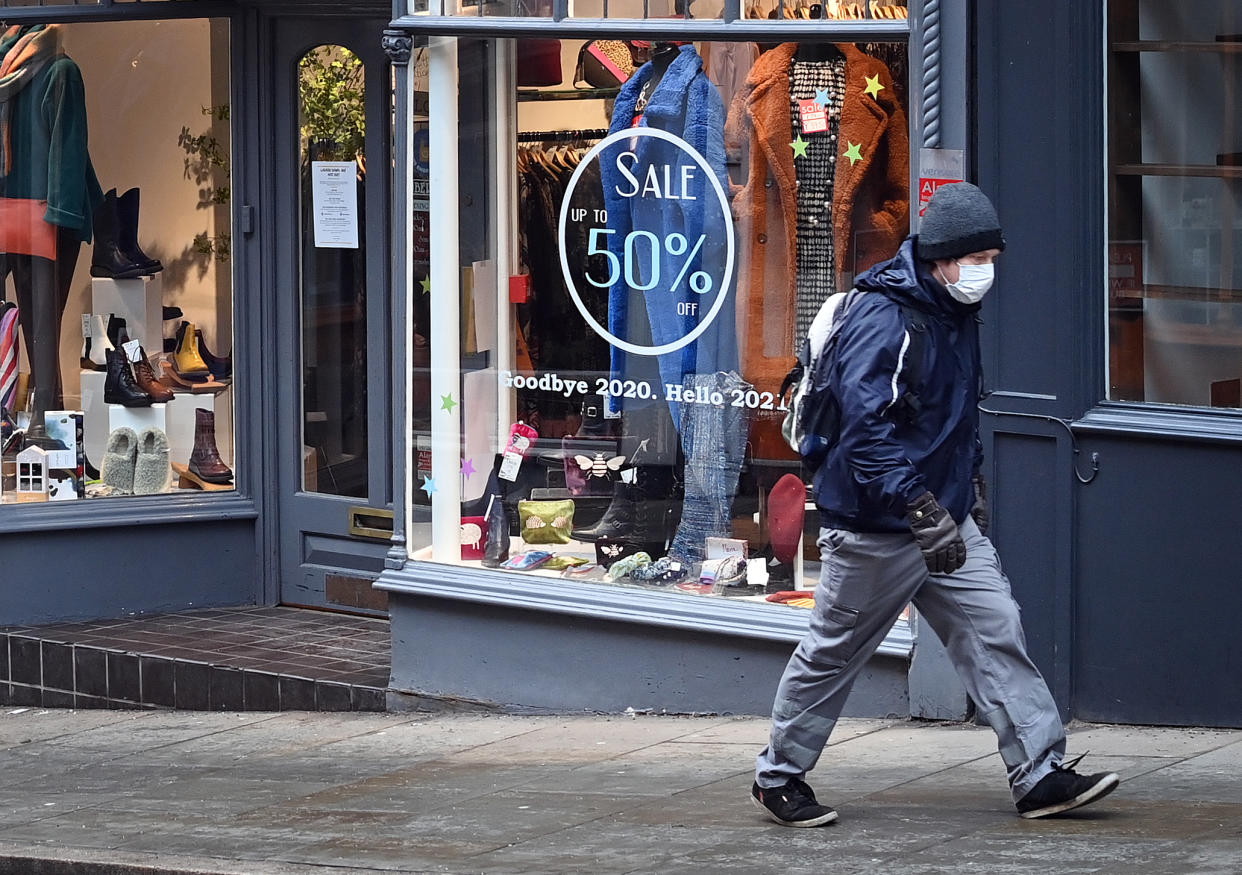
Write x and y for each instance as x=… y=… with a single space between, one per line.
x=959 y=220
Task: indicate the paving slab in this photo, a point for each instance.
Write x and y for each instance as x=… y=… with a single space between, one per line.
x=300 y=792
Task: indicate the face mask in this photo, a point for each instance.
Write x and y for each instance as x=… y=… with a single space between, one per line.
x=973 y=282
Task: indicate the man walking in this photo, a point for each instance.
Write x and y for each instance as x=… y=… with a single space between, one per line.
x=904 y=518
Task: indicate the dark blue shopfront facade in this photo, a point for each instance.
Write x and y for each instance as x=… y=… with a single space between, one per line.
x=1129 y=584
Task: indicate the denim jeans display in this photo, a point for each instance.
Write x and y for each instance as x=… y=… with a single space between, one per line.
x=713 y=440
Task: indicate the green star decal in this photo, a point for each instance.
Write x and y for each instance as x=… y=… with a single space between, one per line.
x=873 y=86
x=854 y=153
x=425 y=282
x=799 y=147
x=447 y=402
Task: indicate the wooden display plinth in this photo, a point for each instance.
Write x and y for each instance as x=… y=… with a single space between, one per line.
x=186 y=479
x=179 y=384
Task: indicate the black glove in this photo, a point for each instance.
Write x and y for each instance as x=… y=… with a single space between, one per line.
x=981 y=512
x=936 y=534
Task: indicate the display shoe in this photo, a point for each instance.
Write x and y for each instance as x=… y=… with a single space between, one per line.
x=107 y=258
x=152 y=471
x=117 y=331
x=497 y=549
x=205 y=461
x=187 y=360
x=617 y=523
x=120 y=457
x=119 y=385
x=593 y=422
x=96 y=345
x=171 y=314
x=221 y=367
x=127 y=231
x=144 y=376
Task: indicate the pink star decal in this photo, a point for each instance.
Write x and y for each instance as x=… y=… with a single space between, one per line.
x=467 y=468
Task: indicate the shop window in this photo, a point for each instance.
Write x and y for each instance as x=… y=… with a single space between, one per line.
x=808 y=10
x=637 y=269
x=332 y=124
x=1175 y=202
x=115 y=232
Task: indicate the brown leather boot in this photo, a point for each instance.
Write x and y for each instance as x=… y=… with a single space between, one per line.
x=144 y=376
x=205 y=461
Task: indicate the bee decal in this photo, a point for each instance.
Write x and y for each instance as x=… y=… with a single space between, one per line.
x=599 y=466
x=611 y=550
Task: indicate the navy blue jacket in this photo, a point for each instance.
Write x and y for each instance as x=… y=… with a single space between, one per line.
x=886 y=455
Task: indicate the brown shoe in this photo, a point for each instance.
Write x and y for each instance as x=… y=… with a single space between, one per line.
x=144 y=376
x=205 y=461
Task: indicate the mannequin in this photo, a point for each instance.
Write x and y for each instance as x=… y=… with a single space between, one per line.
x=45 y=163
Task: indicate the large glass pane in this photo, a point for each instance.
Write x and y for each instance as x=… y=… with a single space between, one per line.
x=332 y=121
x=116 y=262
x=623 y=353
x=805 y=10
x=1175 y=205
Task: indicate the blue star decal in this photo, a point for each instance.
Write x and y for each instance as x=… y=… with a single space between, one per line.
x=821 y=97
x=429 y=486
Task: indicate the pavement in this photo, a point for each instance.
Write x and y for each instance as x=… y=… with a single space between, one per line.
x=121 y=792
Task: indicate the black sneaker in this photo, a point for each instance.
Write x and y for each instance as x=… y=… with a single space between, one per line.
x=792 y=805
x=1063 y=789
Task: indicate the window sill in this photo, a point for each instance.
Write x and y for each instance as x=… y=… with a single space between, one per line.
x=97 y=513
x=617 y=604
x=1162 y=423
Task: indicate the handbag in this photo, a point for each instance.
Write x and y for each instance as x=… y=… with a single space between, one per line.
x=605 y=63
x=473 y=537
x=24 y=231
x=546 y=522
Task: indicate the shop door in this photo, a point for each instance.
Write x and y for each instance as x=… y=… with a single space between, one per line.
x=332 y=132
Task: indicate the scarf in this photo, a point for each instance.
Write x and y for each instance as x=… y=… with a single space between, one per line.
x=24 y=51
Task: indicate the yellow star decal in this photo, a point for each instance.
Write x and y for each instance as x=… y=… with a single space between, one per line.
x=426 y=284
x=799 y=147
x=854 y=153
x=873 y=86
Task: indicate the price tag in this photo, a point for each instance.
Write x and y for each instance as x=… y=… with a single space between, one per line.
x=520 y=437
x=86 y=325
x=814 y=117
x=133 y=350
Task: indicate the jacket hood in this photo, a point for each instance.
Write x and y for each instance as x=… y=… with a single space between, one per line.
x=907 y=278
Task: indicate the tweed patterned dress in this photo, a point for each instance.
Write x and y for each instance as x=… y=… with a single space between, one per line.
x=816 y=258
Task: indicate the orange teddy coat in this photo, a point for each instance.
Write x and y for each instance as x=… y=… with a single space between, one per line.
x=870 y=215
x=871 y=199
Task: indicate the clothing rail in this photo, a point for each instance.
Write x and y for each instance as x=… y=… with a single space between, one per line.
x=560 y=136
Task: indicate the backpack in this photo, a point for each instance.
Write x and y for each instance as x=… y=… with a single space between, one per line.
x=812 y=422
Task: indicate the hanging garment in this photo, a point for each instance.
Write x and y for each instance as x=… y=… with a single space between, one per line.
x=870 y=199
x=46 y=131
x=815 y=169
x=686 y=104
x=8 y=354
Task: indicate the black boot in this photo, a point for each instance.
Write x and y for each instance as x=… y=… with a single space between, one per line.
x=618 y=520
x=119 y=385
x=127 y=231
x=497 y=549
x=118 y=331
x=107 y=258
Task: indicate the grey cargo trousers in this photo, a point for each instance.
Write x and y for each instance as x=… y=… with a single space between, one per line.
x=866 y=582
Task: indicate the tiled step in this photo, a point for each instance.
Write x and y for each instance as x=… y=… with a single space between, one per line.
x=242 y=659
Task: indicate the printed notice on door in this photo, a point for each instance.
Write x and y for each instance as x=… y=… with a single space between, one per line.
x=334 y=199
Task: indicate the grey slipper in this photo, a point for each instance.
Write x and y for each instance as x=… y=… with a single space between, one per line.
x=119 y=459
x=152 y=471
